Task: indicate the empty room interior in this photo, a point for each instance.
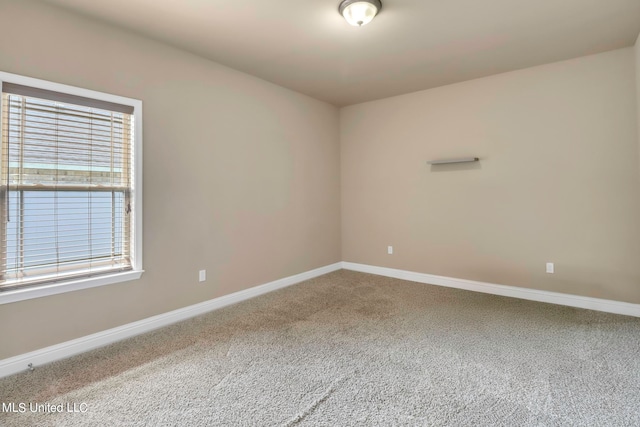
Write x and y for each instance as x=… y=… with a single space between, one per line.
x=320 y=212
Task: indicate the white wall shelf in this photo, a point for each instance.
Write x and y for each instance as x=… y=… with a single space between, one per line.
x=454 y=160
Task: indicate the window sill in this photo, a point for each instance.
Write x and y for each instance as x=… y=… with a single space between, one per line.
x=69 y=286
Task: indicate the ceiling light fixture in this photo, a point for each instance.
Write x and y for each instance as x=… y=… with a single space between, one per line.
x=359 y=12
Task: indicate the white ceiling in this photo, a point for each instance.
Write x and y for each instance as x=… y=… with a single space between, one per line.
x=411 y=45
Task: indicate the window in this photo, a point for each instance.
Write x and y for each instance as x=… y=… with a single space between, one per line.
x=70 y=193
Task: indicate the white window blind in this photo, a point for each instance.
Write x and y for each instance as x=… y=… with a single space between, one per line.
x=66 y=204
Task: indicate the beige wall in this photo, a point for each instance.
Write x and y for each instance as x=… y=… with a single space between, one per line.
x=241 y=177
x=557 y=180
x=637 y=54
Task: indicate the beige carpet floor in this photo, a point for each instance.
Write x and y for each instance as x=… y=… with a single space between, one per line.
x=353 y=349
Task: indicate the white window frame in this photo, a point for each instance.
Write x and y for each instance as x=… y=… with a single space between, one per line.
x=38 y=291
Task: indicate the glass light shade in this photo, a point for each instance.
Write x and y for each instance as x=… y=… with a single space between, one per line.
x=359 y=13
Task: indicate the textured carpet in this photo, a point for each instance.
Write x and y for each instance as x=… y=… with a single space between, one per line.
x=348 y=349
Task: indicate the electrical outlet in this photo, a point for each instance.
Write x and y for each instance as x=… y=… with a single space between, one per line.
x=550 y=268
x=390 y=250
x=202 y=275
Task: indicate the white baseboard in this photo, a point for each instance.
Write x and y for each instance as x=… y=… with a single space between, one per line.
x=597 y=304
x=21 y=362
